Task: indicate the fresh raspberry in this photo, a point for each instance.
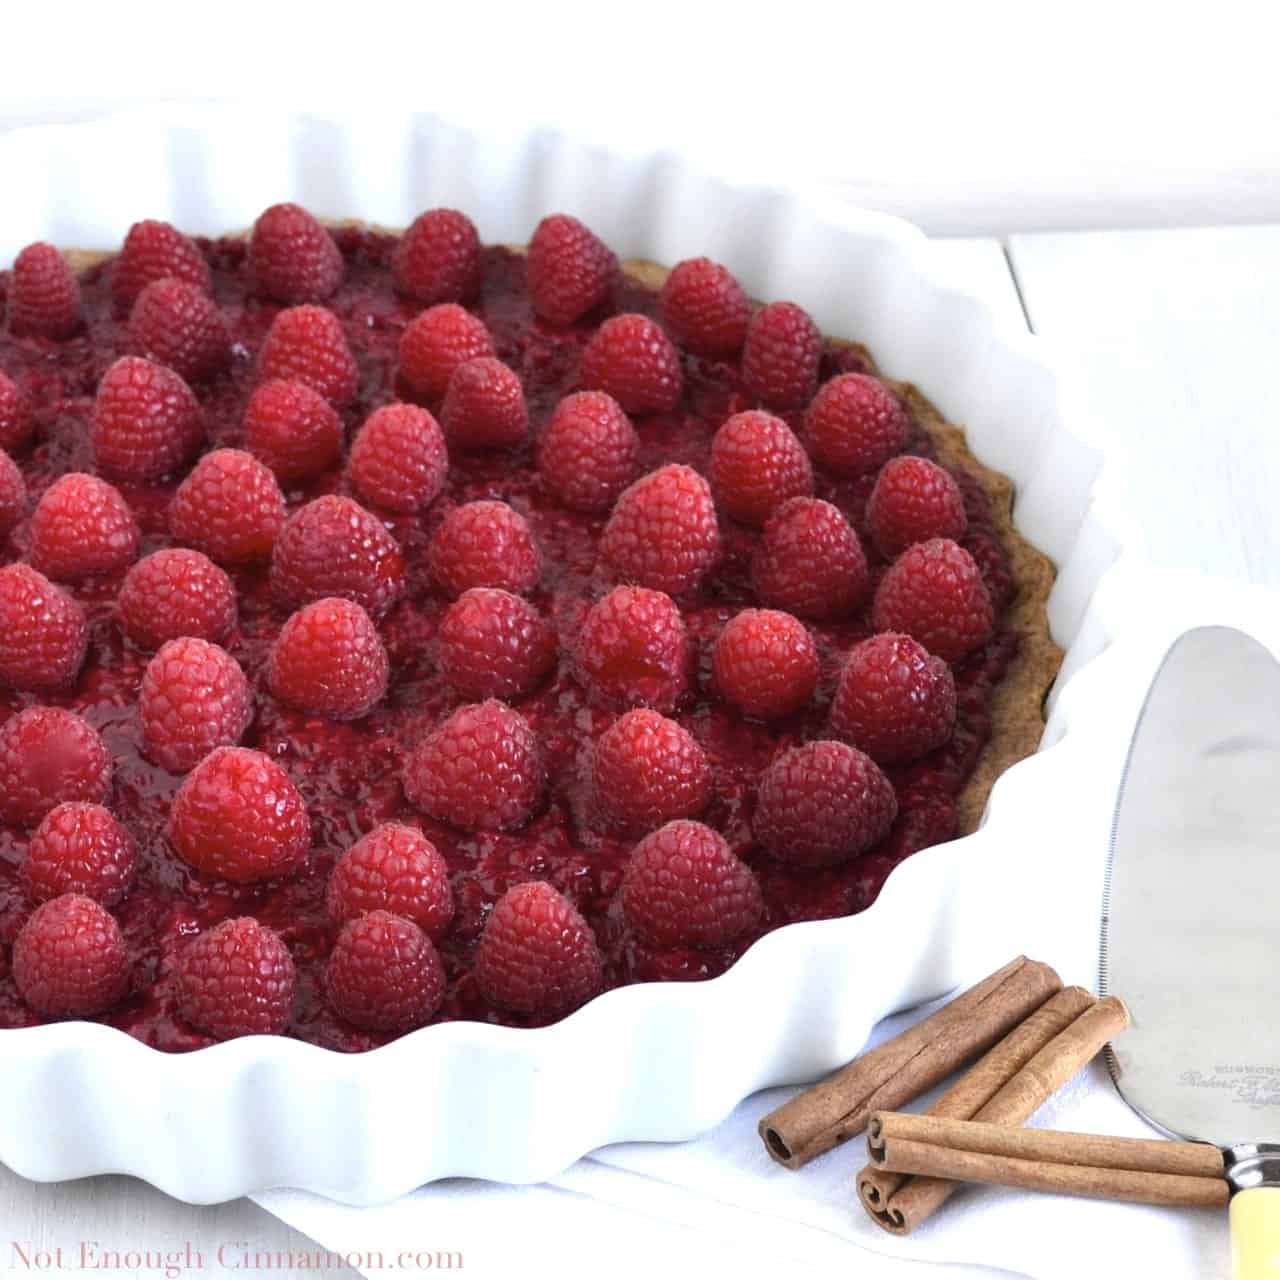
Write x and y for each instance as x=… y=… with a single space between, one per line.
x=570 y=270
x=194 y=698
x=438 y=258
x=70 y=960
x=384 y=974
x=537 y=954
x=480 y=770
x=308 y=345
x=914 y=500
x=823 y=803
x=13 y=496
x=48 y=755
x=44 y=294
x=292 y=257
x=588 y=452
x=146 y=422
x=856 y=424
x=43 y=631
x=684 y=887
x=765 y=663
x=631 y=359
x=239 y=817
x=484 y=544
x=647 y=770
x=704 y=307
x=398 y=460
x=230 y=507
x=82 y=526
x=934 y=591
x=632 y=650
x=780 y=356
x=156 y=251
x=663 y=532
x=394 y=868
x=493 y=644
x=79 y=848
x=895 y=700
x=16 y=423
x=176 y=324
x=236 y=980
x=436 y=343
x=810 y=561
x=175 y=592
x=329 y=660
x=484 y=406
x=293 y=429
x=756 y=465
x=334 y=547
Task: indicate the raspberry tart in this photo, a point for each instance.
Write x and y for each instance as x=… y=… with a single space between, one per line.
x=398 y=629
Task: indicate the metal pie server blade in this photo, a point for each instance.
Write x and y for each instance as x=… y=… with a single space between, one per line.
x=1191 y=919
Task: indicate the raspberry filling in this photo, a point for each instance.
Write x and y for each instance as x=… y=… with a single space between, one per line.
x=349 y=772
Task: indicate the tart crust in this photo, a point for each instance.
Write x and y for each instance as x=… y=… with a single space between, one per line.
x=1017 y=708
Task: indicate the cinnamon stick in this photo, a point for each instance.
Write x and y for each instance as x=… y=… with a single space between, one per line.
x=1185 y=1174
x=918 y=1198
x=903 y=1068
x=984 y=1080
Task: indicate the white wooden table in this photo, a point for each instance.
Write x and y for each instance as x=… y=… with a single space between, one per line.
x=1169 y=339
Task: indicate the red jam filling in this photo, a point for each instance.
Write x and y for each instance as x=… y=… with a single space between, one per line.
x=349 y=772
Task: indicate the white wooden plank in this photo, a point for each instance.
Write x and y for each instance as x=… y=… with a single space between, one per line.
x=1012 y=195
x=980 y=265
x=1169 y=340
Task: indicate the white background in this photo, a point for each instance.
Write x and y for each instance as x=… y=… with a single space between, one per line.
x=971 y=117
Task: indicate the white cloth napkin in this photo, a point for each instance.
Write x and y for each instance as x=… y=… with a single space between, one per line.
x=652 y=1209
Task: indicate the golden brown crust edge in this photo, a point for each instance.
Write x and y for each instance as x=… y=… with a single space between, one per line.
x=1017 y=707
x=1017 y=711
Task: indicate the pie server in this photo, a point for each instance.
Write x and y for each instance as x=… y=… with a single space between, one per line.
x=1191 y=920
